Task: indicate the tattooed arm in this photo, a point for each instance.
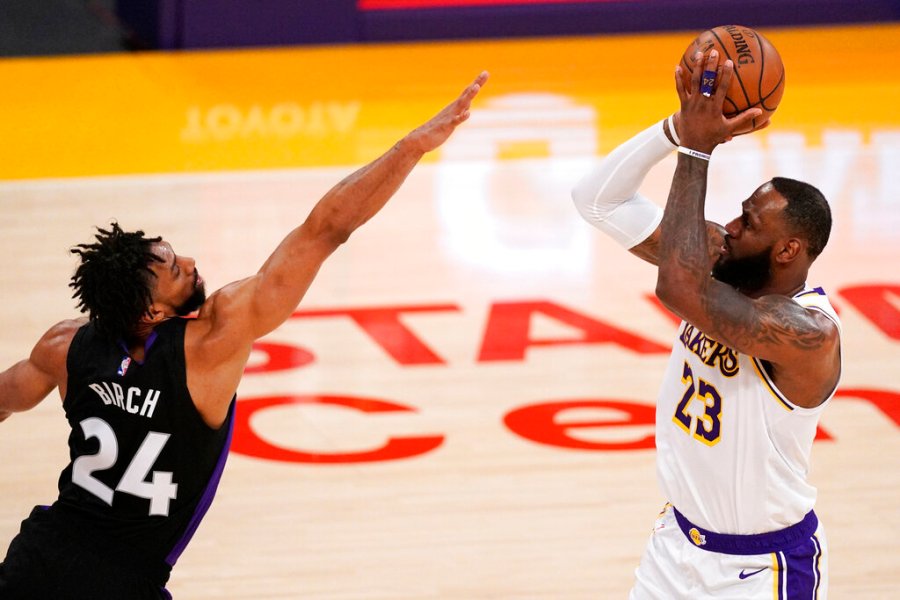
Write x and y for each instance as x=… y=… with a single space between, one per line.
x=800 y=346
x=648 y=250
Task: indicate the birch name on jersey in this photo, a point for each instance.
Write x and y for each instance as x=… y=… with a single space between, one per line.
x=133 y=400
x=711 y=352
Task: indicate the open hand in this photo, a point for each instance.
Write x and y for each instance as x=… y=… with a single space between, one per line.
x=436 y=130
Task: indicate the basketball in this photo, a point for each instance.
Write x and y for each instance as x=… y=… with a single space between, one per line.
x=758 y=71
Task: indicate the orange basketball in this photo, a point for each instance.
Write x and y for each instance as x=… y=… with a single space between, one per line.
x=758 y=71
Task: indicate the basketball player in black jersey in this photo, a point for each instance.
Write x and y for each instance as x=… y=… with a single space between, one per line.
x=150 y=396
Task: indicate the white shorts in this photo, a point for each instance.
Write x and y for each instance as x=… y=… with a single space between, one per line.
x=673 y=567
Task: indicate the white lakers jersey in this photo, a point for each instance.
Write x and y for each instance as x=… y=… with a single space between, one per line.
x=732 y=451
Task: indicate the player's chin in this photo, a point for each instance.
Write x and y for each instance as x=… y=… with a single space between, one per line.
x=193 y=303
x=719 y=265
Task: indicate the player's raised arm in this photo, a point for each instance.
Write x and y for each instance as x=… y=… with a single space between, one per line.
x=274 y=292
x=607 y=197
x=684 y=283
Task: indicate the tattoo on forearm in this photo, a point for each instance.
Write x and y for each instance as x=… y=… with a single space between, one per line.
x=684 y=240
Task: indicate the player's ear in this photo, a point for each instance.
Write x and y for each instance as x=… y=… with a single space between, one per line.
x=789 y=250
x=154 y=314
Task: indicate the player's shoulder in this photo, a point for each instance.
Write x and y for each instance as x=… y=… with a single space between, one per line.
x=813 y=297
x=819 y=327
x=49 y=354
x=61 y=333
x=815 y=301
x=226 y=296
x=220 y=307
x=220 y=326
x=806 y=320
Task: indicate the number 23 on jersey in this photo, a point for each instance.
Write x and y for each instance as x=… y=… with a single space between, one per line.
x=706 y=427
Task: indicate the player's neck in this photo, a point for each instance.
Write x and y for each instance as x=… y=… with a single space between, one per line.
x=137 y=343
x=775 y=287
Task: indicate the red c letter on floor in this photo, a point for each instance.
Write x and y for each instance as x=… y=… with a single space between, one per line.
x=246 y=441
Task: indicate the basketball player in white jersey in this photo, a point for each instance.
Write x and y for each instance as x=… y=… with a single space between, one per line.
x=755 y=361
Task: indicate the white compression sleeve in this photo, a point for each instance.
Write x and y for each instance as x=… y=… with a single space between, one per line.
x=607 y=196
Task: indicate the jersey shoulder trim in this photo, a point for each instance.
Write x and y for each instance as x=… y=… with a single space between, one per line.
x=770 y=385
x=817 y=299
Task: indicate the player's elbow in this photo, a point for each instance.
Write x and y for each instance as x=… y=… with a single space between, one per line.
x=330 y=226
x=586 y=200
x=581 y=198
x=663 y=292
x=339 y=235
x=672 y=291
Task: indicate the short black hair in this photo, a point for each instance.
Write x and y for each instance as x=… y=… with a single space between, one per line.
x=807 y=212
x=113 y=283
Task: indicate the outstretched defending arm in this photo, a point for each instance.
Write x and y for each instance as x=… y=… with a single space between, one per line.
x=219 y=341
x=284 y=278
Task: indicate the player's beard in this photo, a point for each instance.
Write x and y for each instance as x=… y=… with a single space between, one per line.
x=748 y=274
x=194 y=301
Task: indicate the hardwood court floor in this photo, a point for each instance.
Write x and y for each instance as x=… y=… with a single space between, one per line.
x=459 y=408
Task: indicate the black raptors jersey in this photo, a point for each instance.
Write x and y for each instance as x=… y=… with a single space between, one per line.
x=144 y=466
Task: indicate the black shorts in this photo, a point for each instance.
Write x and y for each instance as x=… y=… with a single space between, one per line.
x=46 y=562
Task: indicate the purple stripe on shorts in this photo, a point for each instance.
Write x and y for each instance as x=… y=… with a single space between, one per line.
x=802 y=569
x=208 y=494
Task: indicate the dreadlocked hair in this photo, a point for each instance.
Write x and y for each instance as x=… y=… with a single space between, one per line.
x=113 y=282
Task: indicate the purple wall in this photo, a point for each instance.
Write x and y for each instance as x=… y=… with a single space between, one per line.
x=175 y=24
x=171 y=24
x=617 y=17
x=231 y=23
